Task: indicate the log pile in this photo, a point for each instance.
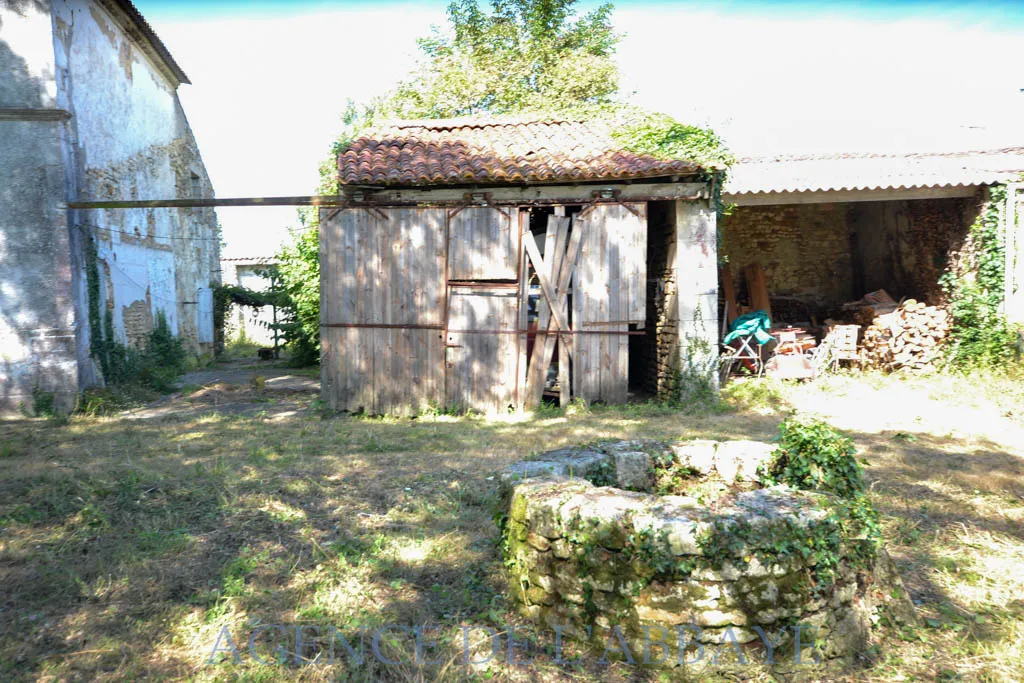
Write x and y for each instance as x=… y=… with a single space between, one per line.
x=909 y=338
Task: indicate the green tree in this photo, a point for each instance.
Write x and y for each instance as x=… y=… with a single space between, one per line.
x=525 y=55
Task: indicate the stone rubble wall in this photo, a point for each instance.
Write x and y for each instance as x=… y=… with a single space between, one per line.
x=585 y=556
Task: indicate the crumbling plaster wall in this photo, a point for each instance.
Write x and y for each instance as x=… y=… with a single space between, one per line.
x=130 y=139
x=37 y=350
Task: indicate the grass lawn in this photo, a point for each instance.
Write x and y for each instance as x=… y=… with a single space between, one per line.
x=128 y=546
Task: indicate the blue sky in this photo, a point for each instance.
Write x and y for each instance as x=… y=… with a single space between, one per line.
x=270 y=79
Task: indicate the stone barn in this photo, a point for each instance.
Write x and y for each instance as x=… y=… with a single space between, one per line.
x=482 y=264
x=828 y=229
x=89 y=109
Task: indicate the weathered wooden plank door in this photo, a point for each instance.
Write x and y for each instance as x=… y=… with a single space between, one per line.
x=609 y=294
x=482 y=348
x=482 y=340
x=382 y=293
x=482 y=245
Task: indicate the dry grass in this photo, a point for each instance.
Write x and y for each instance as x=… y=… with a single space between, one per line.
x=127 y=546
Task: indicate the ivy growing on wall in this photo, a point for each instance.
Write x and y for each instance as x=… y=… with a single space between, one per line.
x=973 y=285
x=661 y=136
x=156 y=366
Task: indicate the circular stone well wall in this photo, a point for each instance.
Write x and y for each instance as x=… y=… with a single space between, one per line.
x=681 y=540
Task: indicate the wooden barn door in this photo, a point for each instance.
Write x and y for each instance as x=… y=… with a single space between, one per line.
x=482 y=343
x=382 y=294
x=609 y=294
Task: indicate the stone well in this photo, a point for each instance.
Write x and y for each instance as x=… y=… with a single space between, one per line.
x=681 y=542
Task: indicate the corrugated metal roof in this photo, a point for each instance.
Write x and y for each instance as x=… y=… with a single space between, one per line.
x=874 y=171
x=495 y=151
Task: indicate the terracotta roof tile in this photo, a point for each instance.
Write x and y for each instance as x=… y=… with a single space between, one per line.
x=495 y=151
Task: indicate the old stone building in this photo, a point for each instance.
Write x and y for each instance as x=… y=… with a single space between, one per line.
x=89 y=111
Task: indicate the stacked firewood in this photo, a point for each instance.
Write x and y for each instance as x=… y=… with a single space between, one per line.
x=909 y=338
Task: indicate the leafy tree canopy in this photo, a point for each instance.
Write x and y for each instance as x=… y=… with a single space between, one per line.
x=525 y=55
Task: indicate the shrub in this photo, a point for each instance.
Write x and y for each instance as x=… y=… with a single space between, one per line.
x=815 y=456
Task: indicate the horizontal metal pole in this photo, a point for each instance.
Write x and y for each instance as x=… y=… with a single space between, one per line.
x=312 y=200
x=386 y=326
x=439 y=196
x=33 y=114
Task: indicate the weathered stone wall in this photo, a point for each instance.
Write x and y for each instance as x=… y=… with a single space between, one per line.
x=904 y=246
x=84 y=113
x=37 y=349
x=682 y=294
x=826 y=254
x=652 y=361
x=594 y=559
x=130 y=140
x=804 y=249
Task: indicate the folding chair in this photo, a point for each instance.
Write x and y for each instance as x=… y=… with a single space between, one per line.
x=743 y=350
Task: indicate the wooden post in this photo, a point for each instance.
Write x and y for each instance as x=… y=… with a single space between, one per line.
x=1013 y=287
x=564 y=390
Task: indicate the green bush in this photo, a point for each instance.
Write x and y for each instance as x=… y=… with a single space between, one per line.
x=814 y=456
x=156 y=366
x=973 y=286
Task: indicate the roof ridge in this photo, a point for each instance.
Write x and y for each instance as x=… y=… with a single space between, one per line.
x=482 y=122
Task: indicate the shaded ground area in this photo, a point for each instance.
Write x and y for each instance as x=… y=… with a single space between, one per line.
x=237 y=388
x=128 y=545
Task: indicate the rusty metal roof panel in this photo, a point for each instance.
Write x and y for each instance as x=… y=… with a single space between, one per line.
x=874 y=171
x=495 y=151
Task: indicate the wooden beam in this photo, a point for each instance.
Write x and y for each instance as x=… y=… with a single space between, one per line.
x=322 y=200
x=545 y=282
x=362 y=196
x=33 y=114
x=541 y=194
x=544 y=348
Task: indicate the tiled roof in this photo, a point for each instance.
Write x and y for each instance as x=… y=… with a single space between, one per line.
x=496 y=151
x=255 y=260
x=874 y=171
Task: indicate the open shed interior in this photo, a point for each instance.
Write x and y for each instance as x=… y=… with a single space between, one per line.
x=816 y=257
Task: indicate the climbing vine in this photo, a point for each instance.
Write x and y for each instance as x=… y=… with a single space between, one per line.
x=814 y=456
x=973 y=285
x=663 y=137
x=155 y=366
